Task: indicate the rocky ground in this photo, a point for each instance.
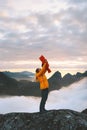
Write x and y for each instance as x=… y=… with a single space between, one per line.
x=51 y=120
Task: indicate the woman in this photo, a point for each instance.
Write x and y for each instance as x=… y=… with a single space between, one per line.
x=44 y=85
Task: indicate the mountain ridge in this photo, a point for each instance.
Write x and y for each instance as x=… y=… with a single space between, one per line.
x=10 y=86
x=27 y=75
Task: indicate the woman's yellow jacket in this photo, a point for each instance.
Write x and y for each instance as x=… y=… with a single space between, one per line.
x=40 y=76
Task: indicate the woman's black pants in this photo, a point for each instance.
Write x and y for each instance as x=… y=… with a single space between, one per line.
x=44 y=95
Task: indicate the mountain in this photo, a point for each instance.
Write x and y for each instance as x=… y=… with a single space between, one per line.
x=5 y=79
x=7 y=85
x=54 y=81
x=69 y=79
x=20 y=75
x=10 y=86
x=63 y=119
x=84 y=111
x=57 y=81
x=85 y=74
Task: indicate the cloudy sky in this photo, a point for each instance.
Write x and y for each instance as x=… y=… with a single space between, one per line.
x=54 y=28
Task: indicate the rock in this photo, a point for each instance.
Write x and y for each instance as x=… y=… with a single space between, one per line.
x=50 y=120
x=84 y=111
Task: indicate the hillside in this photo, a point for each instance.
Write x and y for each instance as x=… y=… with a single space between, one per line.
x=51 y=120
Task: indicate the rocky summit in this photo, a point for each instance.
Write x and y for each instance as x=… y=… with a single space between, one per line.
x=50 y=120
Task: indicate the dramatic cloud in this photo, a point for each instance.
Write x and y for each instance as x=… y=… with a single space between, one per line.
x=73 y=97
x=57 y=29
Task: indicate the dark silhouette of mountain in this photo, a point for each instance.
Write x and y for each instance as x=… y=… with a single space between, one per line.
x=19 y=75
x=69 y=79
x=64 y=119
x=55 y=80
x=78 y=74
x=85 y=74
x=10 y=86
x=84 y=111
x=7 y=85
